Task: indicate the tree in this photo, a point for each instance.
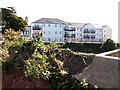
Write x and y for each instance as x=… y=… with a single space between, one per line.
x=108 y=45
x=0 y=16
x=11 y=20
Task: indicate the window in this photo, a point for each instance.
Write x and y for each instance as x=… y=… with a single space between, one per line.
x=44 y=32
x=100 y=30
x=44 y=25
x=36 y=27
x=86 y=30
x=60 y=39
x=55 y=25
x=26 y=32
x=49 y=25
x=86 y=36
x=48 y=39
x=60 y=32
x=93 y=36
x=100 y=40
x=55 y=32
x=48 y=32
x=60 y=25
x=41 y=34
x=55 y=39
x=92 y=31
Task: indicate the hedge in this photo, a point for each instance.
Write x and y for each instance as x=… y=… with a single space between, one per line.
x=85 y=47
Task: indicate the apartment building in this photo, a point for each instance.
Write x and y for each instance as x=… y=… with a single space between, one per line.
x=56 y=30
x=49 y=29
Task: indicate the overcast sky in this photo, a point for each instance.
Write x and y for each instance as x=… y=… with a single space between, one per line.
x=104 y=12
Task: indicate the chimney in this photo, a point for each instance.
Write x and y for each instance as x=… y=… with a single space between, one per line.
x=26 y=19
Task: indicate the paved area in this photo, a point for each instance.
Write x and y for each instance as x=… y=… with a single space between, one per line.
x=103 y=71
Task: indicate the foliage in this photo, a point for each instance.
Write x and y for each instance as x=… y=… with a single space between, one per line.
x=118 y=45
x=0 y=16
x=73 y=85
x=38 y=60
x=11 y=35
x=11 y=20
x=84 y=47
x=92 y=47
x=108 y=45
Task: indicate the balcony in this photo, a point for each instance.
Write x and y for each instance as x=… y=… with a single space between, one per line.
x=86 y=36
x=92 y=36
x=69 y=29
x=69 y=35
x=86 y=31
x=92 y=31
x=36 y=28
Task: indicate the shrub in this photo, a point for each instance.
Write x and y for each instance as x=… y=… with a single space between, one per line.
x=108 y=45
x=118 y=45
x=38 y=60
x=84 y=47
x=11 y=35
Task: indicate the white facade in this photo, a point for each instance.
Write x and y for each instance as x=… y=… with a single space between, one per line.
x=49 y=32
x=55 y=30
x=92 y=33
x=107 y=32
x=88 y=32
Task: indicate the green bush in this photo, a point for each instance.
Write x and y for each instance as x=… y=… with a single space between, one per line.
x=84 y=47
x=96 y=48
x=118 y=45
x=38 y=60
x=108 y=45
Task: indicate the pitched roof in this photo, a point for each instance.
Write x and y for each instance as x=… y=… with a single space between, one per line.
x=96 y=25
x=50 y=21
x=79 y=25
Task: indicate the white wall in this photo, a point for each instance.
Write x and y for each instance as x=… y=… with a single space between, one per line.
x=48 y=32
x=98 y=33
x=107 y=32
x=55 y=32
x=78 y=33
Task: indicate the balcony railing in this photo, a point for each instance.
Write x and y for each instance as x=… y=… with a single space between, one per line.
x=36 y=28
x=89 y=31
x=69 y=29
x=69 y=35
x=92 y=31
